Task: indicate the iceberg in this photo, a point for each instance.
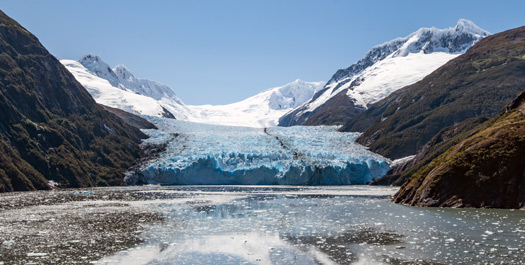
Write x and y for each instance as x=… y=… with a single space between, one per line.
x=206 y=154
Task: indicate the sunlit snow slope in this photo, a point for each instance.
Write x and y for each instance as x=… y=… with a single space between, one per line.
x=114 y=95
x=261 y=110
x=119 y=88
x=385 y=69
x=199 y=153
x=118 y=92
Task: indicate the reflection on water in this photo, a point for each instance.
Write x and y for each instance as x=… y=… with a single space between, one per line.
x=319 y=225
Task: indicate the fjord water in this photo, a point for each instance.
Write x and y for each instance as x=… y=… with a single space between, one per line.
x=318 y=225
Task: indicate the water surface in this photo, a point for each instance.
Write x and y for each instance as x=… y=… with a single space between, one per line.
x=250 y=225
x=321 y=225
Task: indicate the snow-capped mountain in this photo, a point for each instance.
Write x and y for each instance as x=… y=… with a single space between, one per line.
x=119 y=88
x=261 y=110
x=145 y=87
x=384 y=69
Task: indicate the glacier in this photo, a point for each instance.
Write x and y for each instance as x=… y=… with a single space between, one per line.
x=198 y=153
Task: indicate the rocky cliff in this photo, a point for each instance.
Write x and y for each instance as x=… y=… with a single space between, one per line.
x=50 y=127
x=484 y=170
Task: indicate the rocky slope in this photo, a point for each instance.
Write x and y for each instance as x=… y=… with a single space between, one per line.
x=130 y=118
x=484 y=170
x=50 y=127
x=475 y=84
x=441 y=142
x=384 y=69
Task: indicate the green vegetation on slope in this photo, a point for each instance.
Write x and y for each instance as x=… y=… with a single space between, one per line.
x=440 y=143
x=50 y=127
x=477 y=83
x=484 y=170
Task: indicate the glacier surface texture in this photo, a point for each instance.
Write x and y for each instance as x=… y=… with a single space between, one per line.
x=215 y=154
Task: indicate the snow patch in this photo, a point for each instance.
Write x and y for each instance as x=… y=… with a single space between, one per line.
x=402 y=160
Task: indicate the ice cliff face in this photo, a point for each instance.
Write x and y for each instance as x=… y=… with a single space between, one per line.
x=211 y=154
x=385 y=69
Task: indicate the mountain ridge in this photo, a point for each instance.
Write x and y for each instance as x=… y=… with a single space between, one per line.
x=484 y=170
x=477 y=83
x=423 y=51
x=51 y=129
x=118 y=88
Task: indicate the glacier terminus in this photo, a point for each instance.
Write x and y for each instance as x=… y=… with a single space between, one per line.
x=198 y=153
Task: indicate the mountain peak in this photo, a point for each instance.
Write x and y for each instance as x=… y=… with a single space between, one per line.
x=465 y=25
x=454 y=40
x=293 y=94
x=121 y=77
x=95 y=65
x=123 y=72
x=89 y=57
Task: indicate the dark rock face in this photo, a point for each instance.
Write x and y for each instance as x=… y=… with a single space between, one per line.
x=334 y=112
x=130 y=118
x=440 y=143
x=478 y=83
x=50 y=127
x=484 y=170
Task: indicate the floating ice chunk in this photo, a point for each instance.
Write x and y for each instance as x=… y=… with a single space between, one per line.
x=8 y=243
x=34 y=254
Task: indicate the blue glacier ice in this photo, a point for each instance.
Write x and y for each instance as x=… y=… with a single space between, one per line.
x=214 y=154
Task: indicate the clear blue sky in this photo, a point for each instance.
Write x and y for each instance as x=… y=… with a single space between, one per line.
x=217 y=52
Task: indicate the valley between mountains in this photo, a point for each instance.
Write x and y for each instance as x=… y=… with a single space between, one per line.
x=436 y=112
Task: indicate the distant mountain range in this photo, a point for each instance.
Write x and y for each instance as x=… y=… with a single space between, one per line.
x=384 y=69
x=119 y=88
x=261 y=110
